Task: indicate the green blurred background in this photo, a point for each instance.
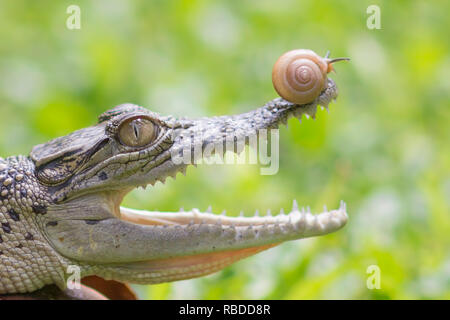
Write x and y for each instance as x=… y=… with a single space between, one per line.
x=384 y=147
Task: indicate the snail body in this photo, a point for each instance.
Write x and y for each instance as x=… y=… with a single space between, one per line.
x=299 y=76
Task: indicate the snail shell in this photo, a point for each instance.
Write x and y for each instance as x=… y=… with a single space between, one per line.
x=299 y=76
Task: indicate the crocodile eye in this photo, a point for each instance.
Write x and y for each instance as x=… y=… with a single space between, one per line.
x=137 y=132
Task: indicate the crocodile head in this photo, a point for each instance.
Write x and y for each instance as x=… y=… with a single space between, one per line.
x=87 y=174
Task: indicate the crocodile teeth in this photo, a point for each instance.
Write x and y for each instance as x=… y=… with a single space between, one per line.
x=296 y=224
x=294 y=205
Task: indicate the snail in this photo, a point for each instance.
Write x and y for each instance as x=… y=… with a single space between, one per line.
x=299 y=76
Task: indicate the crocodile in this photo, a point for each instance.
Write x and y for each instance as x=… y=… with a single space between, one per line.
x=60 y=206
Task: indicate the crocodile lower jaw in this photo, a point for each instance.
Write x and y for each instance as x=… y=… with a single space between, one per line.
x=257 y=234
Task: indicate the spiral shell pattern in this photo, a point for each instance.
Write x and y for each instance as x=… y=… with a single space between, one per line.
x=299 y=76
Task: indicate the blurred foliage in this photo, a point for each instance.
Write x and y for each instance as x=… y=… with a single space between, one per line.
x=384 y=147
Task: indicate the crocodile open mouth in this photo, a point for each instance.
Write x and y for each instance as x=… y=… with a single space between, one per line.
x=220 y=239
x=195 y=243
